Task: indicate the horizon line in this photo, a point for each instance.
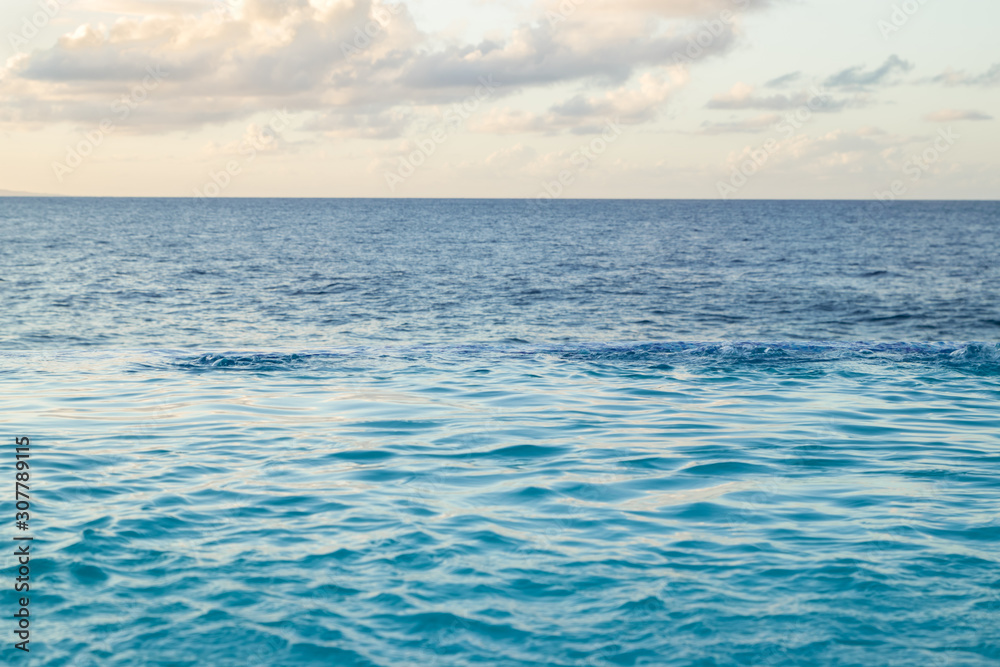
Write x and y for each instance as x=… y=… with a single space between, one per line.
x=27 y=195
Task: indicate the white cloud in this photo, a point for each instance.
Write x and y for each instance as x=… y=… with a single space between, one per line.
x=748 y=125
x=630 y=105
x=352 y=63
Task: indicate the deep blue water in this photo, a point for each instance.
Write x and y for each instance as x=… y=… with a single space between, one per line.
x=286 y=432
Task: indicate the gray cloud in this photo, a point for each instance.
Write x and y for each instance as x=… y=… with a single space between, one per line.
x=742 y=97
x=784 y=80
x=954 y=115
x=856 y=78
x=990 y=77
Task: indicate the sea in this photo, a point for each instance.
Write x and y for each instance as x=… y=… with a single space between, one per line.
x=280 y=432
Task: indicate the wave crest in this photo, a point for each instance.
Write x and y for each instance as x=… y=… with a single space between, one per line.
x=972 y=356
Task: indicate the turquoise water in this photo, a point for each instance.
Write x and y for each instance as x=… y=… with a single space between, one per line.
x=459 y=433
x=585 y=505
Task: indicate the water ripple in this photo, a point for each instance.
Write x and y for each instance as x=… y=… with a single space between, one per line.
x=587 y=504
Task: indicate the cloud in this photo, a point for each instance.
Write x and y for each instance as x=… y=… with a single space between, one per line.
x=373 y=123
x=953 y=115
x=260 y=138
x=513 y=158
x=582 y=114
x=350 y=63
x=864 y=151
x=950 y=77
x=742 y=96
x=784 y=80
x=665 y=8
x=588 y=45
x=757 y=124
x=856 y=78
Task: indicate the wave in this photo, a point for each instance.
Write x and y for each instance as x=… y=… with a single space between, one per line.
x=977 y=357
x=971 y=356
x=972 y=353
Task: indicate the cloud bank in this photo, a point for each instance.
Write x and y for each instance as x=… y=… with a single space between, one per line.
x=352 y=66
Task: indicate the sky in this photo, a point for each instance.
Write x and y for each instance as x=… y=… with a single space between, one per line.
x=715 y=99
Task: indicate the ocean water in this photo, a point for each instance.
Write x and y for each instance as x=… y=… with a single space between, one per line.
x=286 y=432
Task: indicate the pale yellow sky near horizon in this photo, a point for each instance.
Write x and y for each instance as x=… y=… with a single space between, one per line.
x=494 y=98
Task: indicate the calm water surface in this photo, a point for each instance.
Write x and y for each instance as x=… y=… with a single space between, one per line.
x=467 y=433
